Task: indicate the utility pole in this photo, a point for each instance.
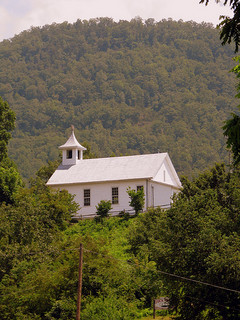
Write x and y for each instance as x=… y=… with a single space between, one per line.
x=79 y=282
x=154 y=310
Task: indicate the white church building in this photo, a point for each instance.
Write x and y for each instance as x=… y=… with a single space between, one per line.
x=93 y=180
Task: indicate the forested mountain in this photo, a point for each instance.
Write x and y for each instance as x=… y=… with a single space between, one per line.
x=128 y=88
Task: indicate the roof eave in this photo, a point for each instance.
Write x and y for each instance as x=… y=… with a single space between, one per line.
x=96 y=181
x=63 y=147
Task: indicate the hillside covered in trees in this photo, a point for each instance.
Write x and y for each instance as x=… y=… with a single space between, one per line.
x=128 y=88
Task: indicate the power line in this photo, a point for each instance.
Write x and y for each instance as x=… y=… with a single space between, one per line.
x=183 y=278
x=198 y=281
x=211 y=303
x=177 y=276
x=132 y=263
x=158 y=271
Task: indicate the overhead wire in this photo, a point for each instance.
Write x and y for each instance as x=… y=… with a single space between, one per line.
x=158 y=271
x=123 y=260
x=182 y=278
x=212 y=303
x=176 y=276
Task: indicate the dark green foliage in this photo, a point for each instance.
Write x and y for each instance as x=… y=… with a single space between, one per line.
x=197 y=238
x=45 y=172
x=127 y=87
x=88 y=154
x=109 y=308
x=137 y=199
x=230 y=32
x=42 y=284
x=7 y=121
x=146 y=229
x=29 y=234
x=232 y=132
x=10 y=181
x=230 y=26
x=232 y=125
x=103 y=209
x=35 y=214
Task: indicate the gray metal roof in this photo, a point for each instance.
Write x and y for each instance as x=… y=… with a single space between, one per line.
x=111 y=169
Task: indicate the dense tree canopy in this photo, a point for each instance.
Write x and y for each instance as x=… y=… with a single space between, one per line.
x=128 y=87
x=39 y=266
x=230 y=31
x=7 y=124
x=198 y=238
x=10 y=180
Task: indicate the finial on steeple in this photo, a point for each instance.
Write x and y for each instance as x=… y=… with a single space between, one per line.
x=72 y=126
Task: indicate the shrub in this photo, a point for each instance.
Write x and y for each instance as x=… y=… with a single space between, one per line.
x=136 y=199
x=109 y=308
x=103 y=209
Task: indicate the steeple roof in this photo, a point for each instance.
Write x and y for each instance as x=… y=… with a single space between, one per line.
x=72 y=143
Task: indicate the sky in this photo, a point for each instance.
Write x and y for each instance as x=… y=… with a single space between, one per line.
x=19 y=15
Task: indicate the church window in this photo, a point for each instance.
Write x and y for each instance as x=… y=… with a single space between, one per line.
x=87 y=195
x=114 y=195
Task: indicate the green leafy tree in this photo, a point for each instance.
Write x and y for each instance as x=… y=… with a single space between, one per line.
x=116 y=87
x=230 y=26
x=32 y=223
x=110 y=307
x=230 y=32
x=7 y=124
x=10 y=180
x=137 y=199
x=43 y=283
x=103 y=209
x=88 y=154
x=232 y=125
x=232 y=132
x=45 y=172
x=198 y=239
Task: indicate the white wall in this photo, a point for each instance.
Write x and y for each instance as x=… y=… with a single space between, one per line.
x=72 y=161
x=164 y=174
x=103 y=191
x=156 y=194
x=160 y=195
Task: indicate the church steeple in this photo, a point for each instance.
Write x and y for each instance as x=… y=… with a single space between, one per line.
x=72 y=150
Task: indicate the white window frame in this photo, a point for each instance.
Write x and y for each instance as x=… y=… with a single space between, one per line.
x=87 y=197
x=115 y=195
